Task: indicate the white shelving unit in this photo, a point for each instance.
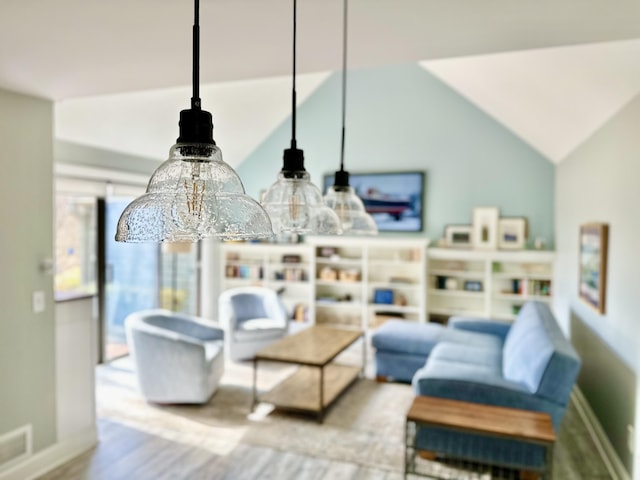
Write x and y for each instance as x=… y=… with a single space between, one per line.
x=289 y=267
x=345 y=281
x=359 y=281
x=489 y=284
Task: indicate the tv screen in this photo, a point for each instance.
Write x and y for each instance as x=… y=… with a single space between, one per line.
x=394 y=199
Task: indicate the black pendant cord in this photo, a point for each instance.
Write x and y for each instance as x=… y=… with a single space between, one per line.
x=196 y=125
x=195 y=98
x=293 y=159
x=344 y=82
x=341 y=179
x=293 y=88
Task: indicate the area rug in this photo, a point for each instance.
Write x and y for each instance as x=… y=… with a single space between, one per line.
x=364 y=427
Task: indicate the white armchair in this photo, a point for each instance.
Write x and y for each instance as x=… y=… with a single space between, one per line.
x=253 y=317
x=178 y=358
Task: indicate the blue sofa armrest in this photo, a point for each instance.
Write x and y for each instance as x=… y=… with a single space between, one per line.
x=487 y=390
x=481 y=325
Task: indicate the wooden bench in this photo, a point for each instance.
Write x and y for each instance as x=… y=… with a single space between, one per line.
x=486 y=420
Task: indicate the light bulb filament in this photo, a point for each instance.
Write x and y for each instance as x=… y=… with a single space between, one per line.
x=195 y=197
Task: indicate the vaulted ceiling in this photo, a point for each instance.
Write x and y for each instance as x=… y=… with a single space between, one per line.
x=550 y=70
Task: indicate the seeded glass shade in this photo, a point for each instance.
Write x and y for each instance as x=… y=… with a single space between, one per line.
x=295 y=206
x=350 y=210
x=193 y=195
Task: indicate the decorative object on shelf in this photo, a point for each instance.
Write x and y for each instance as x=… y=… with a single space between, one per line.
x=295 y=205
x=194 y=194
x=594 y=239
x=351 y=275
x=473 y=285
x=383 y=296
x=394 y=199
x=291 y=258
x=458 y=236
x=340 y=196
x=512 y=233
x=327 y=252
x=485 y=227
x=540 y=243
x=451 y=283
x=328 y=274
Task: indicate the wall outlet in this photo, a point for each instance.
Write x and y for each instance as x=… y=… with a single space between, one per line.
x=38 y=302
x=631 y=438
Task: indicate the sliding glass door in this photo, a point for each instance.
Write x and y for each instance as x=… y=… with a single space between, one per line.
x=131 y=273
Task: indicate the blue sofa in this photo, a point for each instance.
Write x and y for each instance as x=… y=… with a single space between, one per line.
x=527 y=364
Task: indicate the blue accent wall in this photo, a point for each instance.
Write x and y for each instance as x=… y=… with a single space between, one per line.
x=404 y=118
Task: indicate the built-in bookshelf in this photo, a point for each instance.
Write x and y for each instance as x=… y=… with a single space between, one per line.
x=347 y=281
x=490 y=284
x=287 y=268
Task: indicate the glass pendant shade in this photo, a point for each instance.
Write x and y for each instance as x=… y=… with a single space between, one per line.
x=193 y=195
x=295 y=206
x=350 y=210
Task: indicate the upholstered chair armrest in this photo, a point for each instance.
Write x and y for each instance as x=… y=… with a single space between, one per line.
x=204 y=334
x=498 y=328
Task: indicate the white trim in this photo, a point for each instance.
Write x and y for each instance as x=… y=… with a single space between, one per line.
x=608 y=454
x=27 y=431
x=53 y=456
x=103 y=174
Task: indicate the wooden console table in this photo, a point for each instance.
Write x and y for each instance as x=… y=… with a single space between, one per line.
x=521 y=425
x=314 y=350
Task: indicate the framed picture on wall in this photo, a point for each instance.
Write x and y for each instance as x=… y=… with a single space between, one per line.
x=594 y=239
x=512 y=233
x=485 y=227
x=393 y=199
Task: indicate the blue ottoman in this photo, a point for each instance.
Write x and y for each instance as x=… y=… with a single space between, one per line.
x=402 y=347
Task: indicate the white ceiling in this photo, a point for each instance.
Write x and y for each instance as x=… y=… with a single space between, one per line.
x=67 y=49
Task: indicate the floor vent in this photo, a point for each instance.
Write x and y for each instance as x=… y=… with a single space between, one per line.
x=15 y=446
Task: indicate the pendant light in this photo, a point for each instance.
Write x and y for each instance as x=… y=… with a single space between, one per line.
x=294 y=204
x=341 y=197
x=194 y=194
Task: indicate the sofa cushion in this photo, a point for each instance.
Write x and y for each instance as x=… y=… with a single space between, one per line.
x=420 y=338
x=485 y=356
x=528 y=347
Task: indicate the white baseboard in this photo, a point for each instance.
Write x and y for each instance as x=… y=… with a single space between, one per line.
x=608 y=454
x=53 y=456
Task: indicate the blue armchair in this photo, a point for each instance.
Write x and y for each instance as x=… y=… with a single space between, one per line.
x=253 y=317
x=178 y=358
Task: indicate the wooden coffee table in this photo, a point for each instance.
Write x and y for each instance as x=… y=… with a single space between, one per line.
x=314 y=350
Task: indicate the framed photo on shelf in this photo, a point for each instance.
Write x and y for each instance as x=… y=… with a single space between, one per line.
x=485 y=227
x=458 y=236
x=512 y=233
x=594 y=239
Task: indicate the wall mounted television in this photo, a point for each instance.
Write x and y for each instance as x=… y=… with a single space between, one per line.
x=394 y=199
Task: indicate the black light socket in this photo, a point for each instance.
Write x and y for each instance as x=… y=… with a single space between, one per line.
x=196 y=126
x=293 y=160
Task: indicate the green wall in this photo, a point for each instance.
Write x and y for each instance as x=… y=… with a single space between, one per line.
x=599 y=183
x=403 y=118
x=27 y=376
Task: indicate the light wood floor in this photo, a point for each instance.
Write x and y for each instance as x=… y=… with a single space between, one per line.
x=127 y=452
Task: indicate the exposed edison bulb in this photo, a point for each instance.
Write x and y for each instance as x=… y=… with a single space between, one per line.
x=190 y=207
